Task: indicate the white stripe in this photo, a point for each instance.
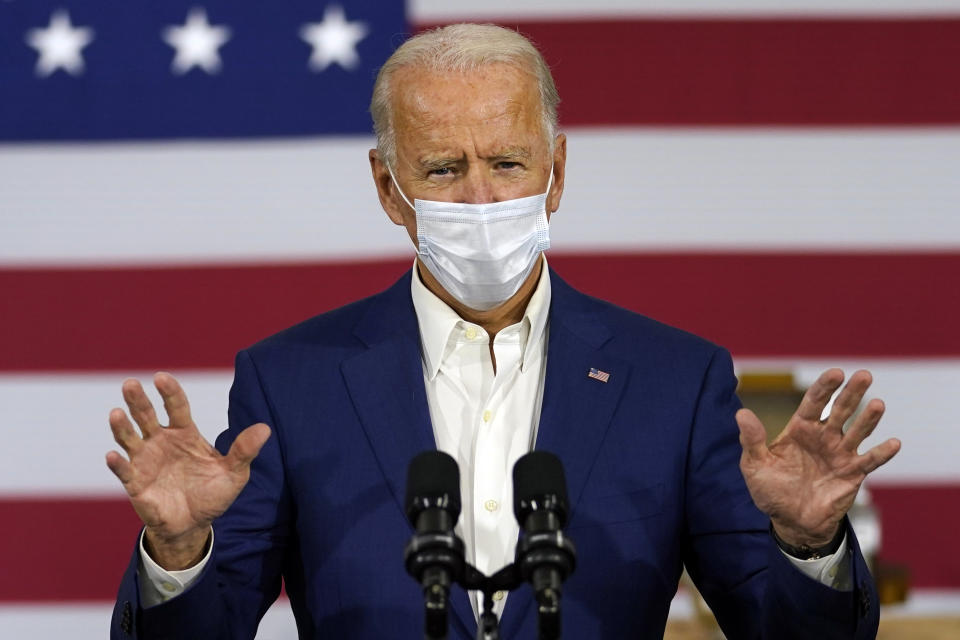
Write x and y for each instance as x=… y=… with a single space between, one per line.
x=62 y=420
x=57 y=432
x=195 y=201
x=918 y=410
x=760 y=189
x=925 y=603
x=92 y=621
x=432 y=11
x=626 y=189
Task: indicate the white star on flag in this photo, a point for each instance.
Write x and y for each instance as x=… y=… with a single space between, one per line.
x=59 y=45
x=334 y=39
x=197 y=43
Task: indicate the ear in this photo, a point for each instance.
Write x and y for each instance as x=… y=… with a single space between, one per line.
x=390 y=200
x=559 y=171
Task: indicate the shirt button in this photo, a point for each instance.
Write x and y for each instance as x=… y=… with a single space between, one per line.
x=491 y=505
x=168 y=586
x=499 y=595
x=471 y=333
x=487 y=415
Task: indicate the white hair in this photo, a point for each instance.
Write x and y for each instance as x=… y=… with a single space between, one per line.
x=461 y=48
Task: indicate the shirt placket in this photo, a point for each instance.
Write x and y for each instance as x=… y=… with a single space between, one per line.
x=491 y=504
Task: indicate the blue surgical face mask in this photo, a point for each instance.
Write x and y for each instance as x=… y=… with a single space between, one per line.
x=481 y=254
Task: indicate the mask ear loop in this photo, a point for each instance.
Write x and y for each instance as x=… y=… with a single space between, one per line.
x=421 y=241
x=549 y=182
x=400 y=191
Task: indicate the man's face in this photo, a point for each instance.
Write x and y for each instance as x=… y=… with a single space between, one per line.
x=474 y=138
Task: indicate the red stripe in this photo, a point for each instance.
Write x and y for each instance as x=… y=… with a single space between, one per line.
x=836 y=71
x=65 y=549
x=919 y=526
x=53 y=547
x=785 y=304
x=169 y=317
x=789 y=304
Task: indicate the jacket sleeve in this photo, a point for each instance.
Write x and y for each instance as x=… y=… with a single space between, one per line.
x=752 y=588
x=243 y=576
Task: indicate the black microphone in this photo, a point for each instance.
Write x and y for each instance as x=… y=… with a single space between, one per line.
x=434 y=556
x=545 y=556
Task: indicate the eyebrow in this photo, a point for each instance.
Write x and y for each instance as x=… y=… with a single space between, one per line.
x=439 y=162
x=512 y=153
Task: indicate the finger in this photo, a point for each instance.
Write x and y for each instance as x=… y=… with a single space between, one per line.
x=849 y=399
x=174 y=400
x=753 y=437
x=120 y=467
x=864 y=425
x=819 y=394
x=123 y=432
x=141 y=409
x=247 y=445
x=879 y=455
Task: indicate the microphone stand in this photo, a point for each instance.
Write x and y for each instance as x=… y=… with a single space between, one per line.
x=507 y=579
x=489 y=626
x=434 y=556
x=437 y=557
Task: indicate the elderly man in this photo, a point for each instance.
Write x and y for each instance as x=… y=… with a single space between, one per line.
x=482 y=352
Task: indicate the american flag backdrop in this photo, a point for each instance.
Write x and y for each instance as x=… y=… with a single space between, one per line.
x=180 y=179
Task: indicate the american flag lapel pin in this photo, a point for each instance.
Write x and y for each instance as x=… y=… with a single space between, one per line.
x=597 y=374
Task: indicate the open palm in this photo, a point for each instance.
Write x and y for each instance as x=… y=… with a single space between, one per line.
x=808 y=477
x=177 y=482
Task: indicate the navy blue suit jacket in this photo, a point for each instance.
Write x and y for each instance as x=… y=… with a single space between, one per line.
x=651 y=459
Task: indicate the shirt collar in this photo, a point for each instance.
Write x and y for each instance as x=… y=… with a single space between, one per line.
x=437 y=321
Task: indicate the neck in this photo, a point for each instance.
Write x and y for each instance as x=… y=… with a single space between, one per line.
x=492 y=320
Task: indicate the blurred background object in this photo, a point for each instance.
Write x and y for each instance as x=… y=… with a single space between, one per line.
x=180 y=179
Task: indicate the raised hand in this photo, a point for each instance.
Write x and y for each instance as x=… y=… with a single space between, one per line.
x=807 y=478
x=177 y=482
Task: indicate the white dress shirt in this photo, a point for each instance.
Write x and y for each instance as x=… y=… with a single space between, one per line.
x=485 y=419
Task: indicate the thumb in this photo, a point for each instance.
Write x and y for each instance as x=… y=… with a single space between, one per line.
x=247 y=445
x=753 y=437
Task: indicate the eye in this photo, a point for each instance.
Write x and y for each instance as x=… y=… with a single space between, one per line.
x=507 y=165
x=441 y=171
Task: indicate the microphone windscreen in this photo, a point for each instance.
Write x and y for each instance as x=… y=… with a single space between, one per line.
x=433 y=476
x=538 y=474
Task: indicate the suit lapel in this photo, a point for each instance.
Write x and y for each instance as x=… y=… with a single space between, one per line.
x=576 y=410
x=386 y=386
x=385 y=383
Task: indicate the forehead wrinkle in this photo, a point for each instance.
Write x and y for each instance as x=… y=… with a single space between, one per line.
x=426 y=108
x=445 y=127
